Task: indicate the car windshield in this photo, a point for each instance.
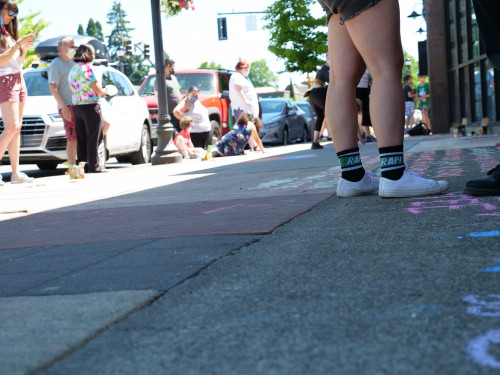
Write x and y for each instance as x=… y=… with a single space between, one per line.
x=272 y=106
x=37 y=83
x=204 y=81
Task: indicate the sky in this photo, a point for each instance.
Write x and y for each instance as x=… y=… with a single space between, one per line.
x=191 y=37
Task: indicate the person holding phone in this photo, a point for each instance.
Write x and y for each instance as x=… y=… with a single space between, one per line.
x=13 y=91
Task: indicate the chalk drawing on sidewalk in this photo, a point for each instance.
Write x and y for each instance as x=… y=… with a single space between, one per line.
x=450 y=202
x=323 y=180
x=241 y=205
x=480 y=348
x=493 y=269
x=493 y=233
x=487 y=306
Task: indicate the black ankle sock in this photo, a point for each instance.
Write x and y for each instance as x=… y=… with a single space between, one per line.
x=350 y=164
x=392 y=163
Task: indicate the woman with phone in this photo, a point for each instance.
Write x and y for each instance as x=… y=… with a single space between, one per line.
x=12 y=87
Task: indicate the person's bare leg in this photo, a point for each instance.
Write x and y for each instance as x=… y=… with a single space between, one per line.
x=12 y=116
x=71 y=151
x=346 y=69
x=379 y=44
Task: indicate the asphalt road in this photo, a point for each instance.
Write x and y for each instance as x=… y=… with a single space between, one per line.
x=251 y=265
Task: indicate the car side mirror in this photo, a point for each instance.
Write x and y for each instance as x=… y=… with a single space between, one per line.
x=225 y=94
x=112 y=91
x=291 y=112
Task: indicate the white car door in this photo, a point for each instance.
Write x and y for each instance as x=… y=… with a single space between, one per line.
x=126 y=119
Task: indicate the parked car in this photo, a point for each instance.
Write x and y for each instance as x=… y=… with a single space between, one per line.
x=284 y=122
x=214 y=94
x=43 y=139
x=310 y=116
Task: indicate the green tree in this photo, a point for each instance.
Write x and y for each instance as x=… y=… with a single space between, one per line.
x=296 y=36
x=27 y=25
x=291 y=89
x=134 y=67
x=210 y=65
x=261 y=75
x=94 y=29
x=91 y=30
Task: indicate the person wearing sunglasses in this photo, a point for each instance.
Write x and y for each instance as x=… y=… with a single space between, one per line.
x=12 y=87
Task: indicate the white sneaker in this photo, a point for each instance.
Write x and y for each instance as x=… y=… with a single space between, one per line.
x=411 y=184
x=367 y=185
x=21 y=178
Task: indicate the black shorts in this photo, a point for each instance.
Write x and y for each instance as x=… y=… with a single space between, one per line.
x=346 y=8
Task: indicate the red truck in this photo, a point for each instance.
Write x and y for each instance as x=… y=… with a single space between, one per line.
x=214 y=94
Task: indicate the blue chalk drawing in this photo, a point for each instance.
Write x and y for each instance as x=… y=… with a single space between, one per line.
x=493 y=269
x=484 y=234
x=479 y=348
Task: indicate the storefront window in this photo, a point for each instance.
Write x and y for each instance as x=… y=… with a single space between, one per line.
x=490 y=90
x=452 y=30
x=474 y=32
x=463 y=47
x=478 y=102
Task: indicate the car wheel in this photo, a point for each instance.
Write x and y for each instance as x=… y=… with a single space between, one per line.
x=143 y=155
x=102 y=153
x=215 y=133
x=305 y=134
x=47 y=165
x=123 y=159
x=285 y=140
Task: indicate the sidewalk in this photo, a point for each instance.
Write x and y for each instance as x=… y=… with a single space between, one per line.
x=251 y=265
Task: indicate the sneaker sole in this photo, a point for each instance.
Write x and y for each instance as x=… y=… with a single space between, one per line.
x=355 y=193
x=21 y=182
x=410 y=193
x=482 y=192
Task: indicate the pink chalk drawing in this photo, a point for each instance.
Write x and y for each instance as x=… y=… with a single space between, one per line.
x=479 y=348
x=450 y=201
x=488 y=305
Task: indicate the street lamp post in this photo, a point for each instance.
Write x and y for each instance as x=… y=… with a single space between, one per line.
x=165 y=152
x=408 y=66
x=120 y=52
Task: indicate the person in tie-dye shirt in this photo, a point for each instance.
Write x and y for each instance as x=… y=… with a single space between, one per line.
x=86 y=91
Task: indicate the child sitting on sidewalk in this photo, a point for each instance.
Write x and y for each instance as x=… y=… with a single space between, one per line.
x=183 y=139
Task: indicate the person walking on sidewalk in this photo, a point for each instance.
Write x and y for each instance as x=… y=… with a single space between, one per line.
x=363 y=94
x=487 y=13
x=317 y=98
x=409 y=93
x=86 y=91
x=59 y=88
x=173 y=92
x=356 y=41
x=423 y=96
x=12 y=87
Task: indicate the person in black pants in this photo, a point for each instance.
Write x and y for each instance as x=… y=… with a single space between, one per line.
x=86 y=91
x=317 y=99
x=487 y=14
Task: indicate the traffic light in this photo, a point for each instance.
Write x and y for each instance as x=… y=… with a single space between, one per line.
x=128 y=47
x=146 y=51
x=222 y=28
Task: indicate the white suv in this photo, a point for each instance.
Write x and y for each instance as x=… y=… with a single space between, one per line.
x=43 y=139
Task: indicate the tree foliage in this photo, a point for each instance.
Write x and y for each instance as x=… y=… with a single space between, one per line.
x=261 y=75
x=28 y=24
x=210 y=65
x=413 y=71
x=295 y=34
x=133 y=67
x=94 y=29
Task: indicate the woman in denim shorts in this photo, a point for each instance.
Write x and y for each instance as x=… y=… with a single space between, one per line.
x=12 y=87
x=366 y=34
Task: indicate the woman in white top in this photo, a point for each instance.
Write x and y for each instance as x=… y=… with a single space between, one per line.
x=191 y=106
x=241 y=91
x=12 y=87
